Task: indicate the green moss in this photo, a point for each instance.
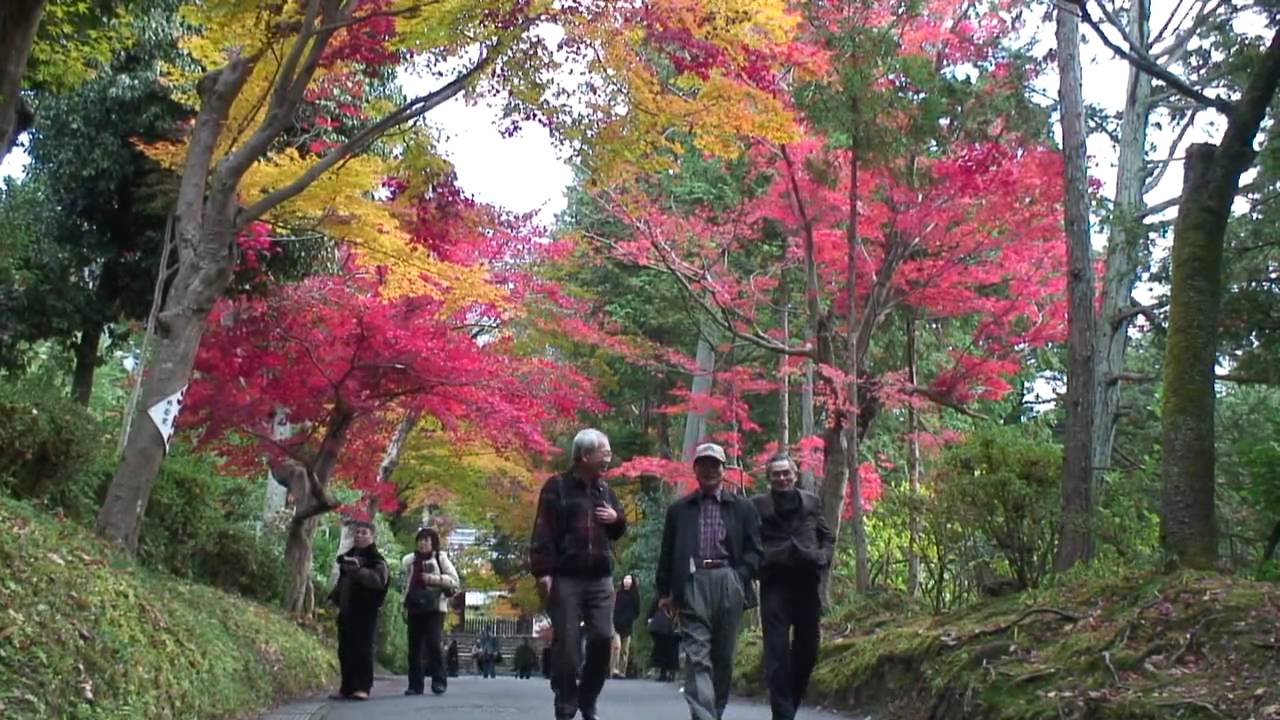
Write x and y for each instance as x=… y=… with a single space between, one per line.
x=1142 y=646
x=87 y=634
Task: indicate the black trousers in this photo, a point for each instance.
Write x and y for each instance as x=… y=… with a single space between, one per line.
x=787 y=605
x=588 y=601
x=425 y=654
x=356 y=635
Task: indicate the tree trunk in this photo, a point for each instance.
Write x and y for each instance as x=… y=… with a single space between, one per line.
x=309 y=490
x=1188 y=531
x=1076 y=543
x=806 y=418
x=695 y=425
x=853 y=364
x=391 y=460
x=86 y=355
x=277 y=493
x=300 y=593
x=784 y=388
x=913 y=467
x=1127 y=250
x=1272 y=543
x=19 y=21
x=1188 y=527
x=205 y=232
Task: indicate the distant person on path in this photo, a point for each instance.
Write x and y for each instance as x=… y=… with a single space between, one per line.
x=571 y=554
x=525 y=660
x=451 y=657
x=665 y=655
x=489 y=655
x=626 y=610
x=359 y=593
x=710 y=552
x=798 y=546
x=477 y=657
x=429 y=579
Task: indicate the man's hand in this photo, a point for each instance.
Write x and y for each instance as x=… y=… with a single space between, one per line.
x=665 y=605
x=606 y=515
x=544 y=587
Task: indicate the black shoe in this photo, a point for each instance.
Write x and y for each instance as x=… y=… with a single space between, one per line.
x=437 y=689
x=411 y=691
x=590 y=715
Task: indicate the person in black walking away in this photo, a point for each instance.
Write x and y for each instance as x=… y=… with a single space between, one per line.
x=710 y=553
x=665 y=655
x=626 y=610
x=359 y=592
x=571 y=554
x=525 y=660
x=489 y=654
x=451 y=656
x=798 y=547
x=429 y=580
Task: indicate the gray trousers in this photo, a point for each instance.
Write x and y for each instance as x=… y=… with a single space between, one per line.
x=590 y=602
x=710 y=617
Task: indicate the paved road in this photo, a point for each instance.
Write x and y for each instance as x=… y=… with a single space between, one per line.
x=474 y=698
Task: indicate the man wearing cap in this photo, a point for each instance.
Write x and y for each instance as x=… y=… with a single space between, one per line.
x=710 y=551
x=798 y=547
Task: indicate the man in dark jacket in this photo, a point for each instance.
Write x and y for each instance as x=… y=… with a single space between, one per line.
x=359 y=592
x=797 y=548
x=710 y=552
x=571 y=554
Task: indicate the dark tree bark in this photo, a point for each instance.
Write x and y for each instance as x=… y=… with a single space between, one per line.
x=1076 y=544
x=1188 y=527
x=86 y=356
x=19 y=21
x=1272 y=543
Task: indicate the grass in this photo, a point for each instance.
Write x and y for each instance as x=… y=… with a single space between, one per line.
x=87 y=634
x=1188 y=645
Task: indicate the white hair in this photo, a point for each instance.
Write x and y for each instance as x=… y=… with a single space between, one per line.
x=586 y=441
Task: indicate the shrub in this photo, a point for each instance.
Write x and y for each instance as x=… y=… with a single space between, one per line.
x=203 y=525
x=47 y=441
x=1002 y=485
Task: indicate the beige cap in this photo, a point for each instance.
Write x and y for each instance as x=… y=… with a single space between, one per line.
x=710 y=450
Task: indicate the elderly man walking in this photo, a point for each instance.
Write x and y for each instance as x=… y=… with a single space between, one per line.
x=798 y=546
x=571 y=554
x=710 y=552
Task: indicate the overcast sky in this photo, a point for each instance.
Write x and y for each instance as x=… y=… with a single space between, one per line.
x=525 y=173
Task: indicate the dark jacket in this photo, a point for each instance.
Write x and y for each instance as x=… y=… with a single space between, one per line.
x=360 y=589
x=567 y=539
x=626 y=610
x=680 y=542
x=797 y=542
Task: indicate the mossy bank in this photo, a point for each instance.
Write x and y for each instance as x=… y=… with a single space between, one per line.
x=1158 y=647
x=85 y=633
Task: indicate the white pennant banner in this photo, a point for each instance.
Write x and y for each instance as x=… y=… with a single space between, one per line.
x=165 y=415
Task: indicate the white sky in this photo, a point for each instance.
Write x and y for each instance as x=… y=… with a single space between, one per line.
x=526 y=173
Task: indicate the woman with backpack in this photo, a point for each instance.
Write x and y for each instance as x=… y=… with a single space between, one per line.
x=429 y=580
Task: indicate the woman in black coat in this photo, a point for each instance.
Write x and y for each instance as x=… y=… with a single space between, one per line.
x=626 y=610
x=359 y=592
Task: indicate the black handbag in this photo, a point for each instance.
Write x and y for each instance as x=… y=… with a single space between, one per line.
x=660 y=623
x=422 y=600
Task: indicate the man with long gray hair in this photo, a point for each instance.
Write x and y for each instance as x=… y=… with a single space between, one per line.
x=571 y=554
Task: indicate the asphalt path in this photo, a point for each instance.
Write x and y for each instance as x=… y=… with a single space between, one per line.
x=474 y=698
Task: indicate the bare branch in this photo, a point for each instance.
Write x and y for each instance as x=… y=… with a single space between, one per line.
x=410 y=110
x=1155 y=179
x=1139 y=58
x=947 y=402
